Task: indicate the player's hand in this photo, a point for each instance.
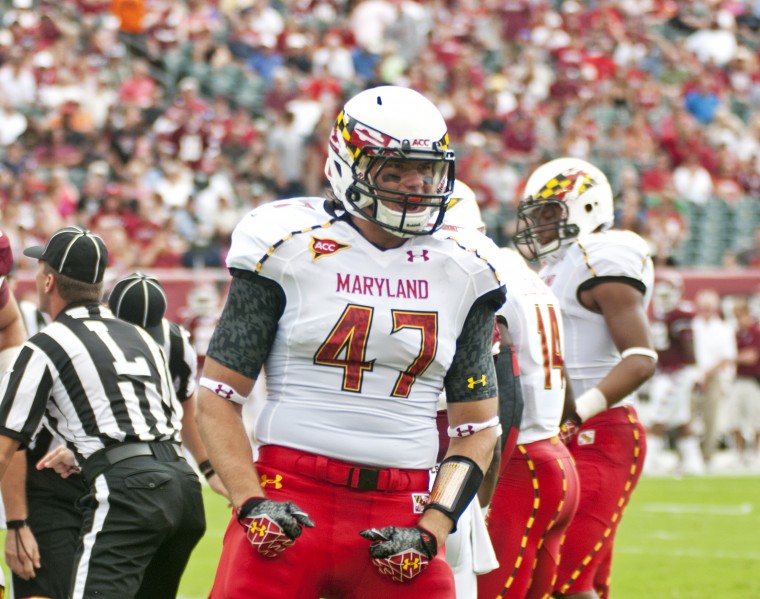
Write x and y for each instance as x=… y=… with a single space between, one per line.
x=272 y=526
x=21 y=552
x=401 y=553
x=569 y=428
x=6 y=255
x=61 y=460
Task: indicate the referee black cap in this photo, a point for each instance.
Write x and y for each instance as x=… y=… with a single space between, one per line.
x=139 y=298
x=75 y=253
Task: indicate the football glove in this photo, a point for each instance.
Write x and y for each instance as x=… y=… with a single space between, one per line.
x=569 y=428
x=272 y=526
x=401 y=553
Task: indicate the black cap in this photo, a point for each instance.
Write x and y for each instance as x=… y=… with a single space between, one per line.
x=140 y=299
x=75 y=253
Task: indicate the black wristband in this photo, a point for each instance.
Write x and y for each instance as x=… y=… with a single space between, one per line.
x=247 y=506
x=205 y=466
x=209 y=473
x=16 y=524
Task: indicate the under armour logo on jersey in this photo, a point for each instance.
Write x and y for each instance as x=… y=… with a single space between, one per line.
x=471 y=382
x=224 y=391
x=468 y=430
x=276 y=481
x=412 y=256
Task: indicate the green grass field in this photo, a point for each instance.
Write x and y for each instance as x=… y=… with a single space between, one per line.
x=694 y=538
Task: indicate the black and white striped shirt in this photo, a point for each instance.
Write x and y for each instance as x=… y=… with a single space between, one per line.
x=183 y=361
x=94 y=379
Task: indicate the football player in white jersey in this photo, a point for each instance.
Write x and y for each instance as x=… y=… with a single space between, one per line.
x=537 y=491
x=469 y=551
x=360 y=318
x=603 y=279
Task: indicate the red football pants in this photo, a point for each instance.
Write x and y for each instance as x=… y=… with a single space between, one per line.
x=331 y=560
x=609 y=453
x=534 y=501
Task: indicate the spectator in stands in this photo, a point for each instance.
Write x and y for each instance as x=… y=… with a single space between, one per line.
x=666 y=230
x=715 y=354
x=13 y=123
x=744 y=412
x=658 y=178
x=692 y=181
x=702 y=99
x=17 y=84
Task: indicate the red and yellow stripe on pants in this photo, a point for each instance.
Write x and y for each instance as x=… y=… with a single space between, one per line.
x=609 y=452
x=534 y=501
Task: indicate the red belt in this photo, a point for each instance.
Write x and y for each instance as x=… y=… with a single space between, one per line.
x=342 y=473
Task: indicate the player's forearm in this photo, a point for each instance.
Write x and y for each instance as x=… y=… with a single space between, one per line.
x=14 y=488
x=221 y=429
x=485 y=493
x=479 y=448
x=191 y=438
x=627 y=376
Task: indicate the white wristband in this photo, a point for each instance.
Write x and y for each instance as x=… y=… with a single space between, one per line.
x=639 y=351
x=470 y=428
x=591 y=403
x=223 y=390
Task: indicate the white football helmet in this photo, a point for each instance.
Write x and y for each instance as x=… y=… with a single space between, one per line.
x=463 y=211
x=565 y=199
x=385 y=126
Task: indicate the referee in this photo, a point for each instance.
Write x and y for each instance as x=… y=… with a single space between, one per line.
x=140 y=299
x=103 y=385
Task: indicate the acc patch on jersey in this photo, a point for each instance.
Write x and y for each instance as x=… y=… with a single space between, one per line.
x=586 y=437
x=325 y=247
x=419 y=501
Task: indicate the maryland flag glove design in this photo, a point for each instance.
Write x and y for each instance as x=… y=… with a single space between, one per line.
x=401 y=553
x=569 y=429
x=272 y=526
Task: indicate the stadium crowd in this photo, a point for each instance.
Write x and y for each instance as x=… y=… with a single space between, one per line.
x=158 y=123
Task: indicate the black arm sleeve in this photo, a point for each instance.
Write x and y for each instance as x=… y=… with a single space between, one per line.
x=472 y=375
x=510 y=397
x=245 y=332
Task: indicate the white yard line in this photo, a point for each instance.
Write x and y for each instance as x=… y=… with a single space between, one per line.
x=741 y=509
x=681 y=552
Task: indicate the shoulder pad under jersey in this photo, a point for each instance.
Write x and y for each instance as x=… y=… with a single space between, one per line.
x=616 y=254
x=478 y=254
x=263 y=229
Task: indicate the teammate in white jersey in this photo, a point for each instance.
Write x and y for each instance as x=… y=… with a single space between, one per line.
x=360 y=318
x=537 y=491
x=603 y=280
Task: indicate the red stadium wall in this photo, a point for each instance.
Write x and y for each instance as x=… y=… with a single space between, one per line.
x=179 y=284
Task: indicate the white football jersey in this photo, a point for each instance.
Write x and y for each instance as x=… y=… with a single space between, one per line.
x=590 y=352
x=534 y=320
x=366 y=336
